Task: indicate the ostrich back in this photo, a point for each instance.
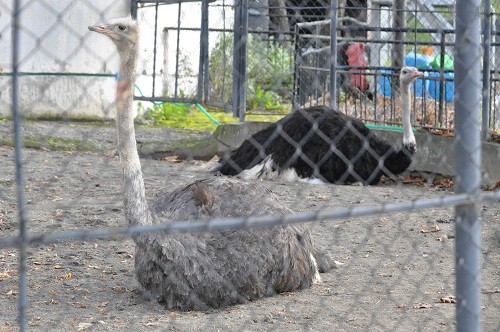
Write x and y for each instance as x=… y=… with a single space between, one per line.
x=320 y=142
x=204 y=270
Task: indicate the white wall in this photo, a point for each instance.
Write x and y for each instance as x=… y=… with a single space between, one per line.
x=49 y=44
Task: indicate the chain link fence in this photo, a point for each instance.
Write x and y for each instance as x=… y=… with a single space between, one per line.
x=412 y=246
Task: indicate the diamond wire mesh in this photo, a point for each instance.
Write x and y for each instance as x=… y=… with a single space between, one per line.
x=394 y=242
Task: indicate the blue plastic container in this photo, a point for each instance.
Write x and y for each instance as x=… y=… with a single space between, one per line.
x=449 y=86
x=419 y=61
x=384 y=82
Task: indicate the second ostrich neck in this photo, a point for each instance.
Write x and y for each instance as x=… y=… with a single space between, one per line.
x=136 y=208
x=408 y=136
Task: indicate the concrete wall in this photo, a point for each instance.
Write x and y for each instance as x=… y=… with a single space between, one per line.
x=49 y=44
x=434 y=154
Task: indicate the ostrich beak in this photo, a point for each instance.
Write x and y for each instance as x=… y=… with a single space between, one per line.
x=105 y=30
x=418 y=74
x=98 y=28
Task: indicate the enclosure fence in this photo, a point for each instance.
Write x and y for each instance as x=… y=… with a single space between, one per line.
x=308 y=57
x=287 y=51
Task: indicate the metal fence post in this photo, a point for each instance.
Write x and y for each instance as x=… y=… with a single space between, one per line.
x=133 y=9
x=468 y=164
x=239 y=58
x=202 y=89
x=398 y=50
x=333 y=54
x=18 y=145
x=486 y=70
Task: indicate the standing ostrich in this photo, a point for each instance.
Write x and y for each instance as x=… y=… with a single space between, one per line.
x=199 y=271
x=320 y=142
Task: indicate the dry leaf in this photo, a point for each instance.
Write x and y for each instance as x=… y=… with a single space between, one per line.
x=83 y=326
x=173 y=159
x=118 y=288
x=214 y=159
x=422 y=306
x=448 y=299
x=431 y=229
x=57 y=267
x=58 y=213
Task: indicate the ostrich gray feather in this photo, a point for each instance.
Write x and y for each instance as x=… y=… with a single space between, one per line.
x=216 y=269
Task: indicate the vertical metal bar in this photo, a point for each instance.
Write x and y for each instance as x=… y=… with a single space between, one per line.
x=177 y=51
x=485 y=129
x=243 y=63
x=468 y=164
x=154 y=49
x=133 y=9
x=206 y=78
x=224 y=45
x=239 y=59
x=202 y=89
x=18 y=145
x=333 y=55
x=442 y=79
x=399 y=21
x=236 y=58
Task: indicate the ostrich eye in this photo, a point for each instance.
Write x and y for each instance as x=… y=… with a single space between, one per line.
x=121 y=27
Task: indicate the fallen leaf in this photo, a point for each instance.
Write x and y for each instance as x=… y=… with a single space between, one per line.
x=491 y=291
x=449 y=299
x=431 y=229
x=57 y=267
x=83 y=326
x=173 y=159
x=422 y=306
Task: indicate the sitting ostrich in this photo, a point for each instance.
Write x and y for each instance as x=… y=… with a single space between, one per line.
x=322 y=143
x=198 y=271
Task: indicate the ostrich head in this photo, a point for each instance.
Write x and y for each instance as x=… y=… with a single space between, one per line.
x=408 y=74
x=122 y=31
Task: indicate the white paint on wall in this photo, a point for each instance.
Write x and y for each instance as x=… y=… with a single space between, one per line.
x=54 y=38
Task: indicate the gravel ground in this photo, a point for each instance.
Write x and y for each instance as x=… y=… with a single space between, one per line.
x=396 y=272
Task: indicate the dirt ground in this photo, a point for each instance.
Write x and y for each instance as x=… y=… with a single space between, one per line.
x=396 y=271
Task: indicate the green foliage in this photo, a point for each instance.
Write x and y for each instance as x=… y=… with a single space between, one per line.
x=268 y=100
x=188 y=116
x=269 y=72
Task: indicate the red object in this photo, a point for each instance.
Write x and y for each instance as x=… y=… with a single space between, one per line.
x=356 y=57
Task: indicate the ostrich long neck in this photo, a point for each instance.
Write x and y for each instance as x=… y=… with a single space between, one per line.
x=136 y=208
x=408 y=135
